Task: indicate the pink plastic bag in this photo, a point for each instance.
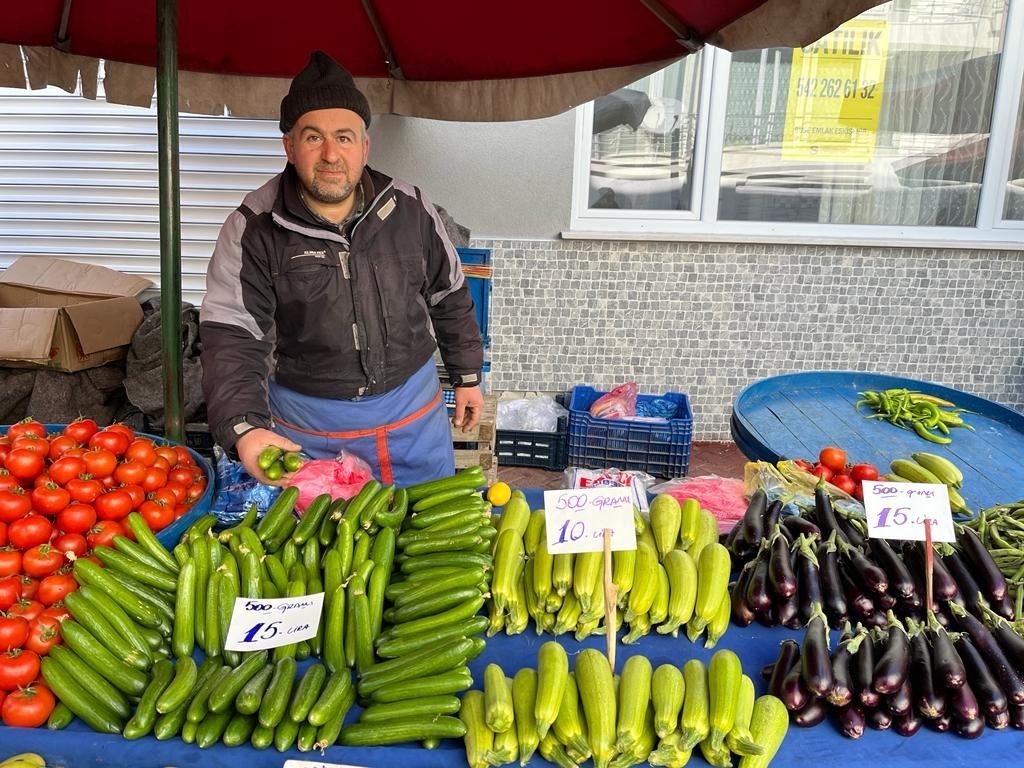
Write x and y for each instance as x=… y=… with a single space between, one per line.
x=721 y=496
x=341 y=477
x=620 y=403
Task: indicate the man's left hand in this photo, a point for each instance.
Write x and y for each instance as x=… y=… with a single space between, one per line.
x=469 y=405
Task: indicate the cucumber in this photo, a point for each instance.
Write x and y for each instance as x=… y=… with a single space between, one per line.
x=432 y=659
x=401 y=730
x=360 y=500
x=380 y=501
x=279 y=690
x=344 y=544
x=309 y=526
x=429 y=624
x=434 y=605
x=73 y=694
x=248 y=700
x=452 y=681
x=440 y=497
x=60 y=718
x=183 y=636
x=442 y=513
x=227 y=689
x=292 y=461
x=268 y=456
x=186 y=674
x=275 y=570
x=170 y=724
x=306 y=738
x=250 y=574
x=121 y=622
x=128 y=547
x=392 y=648
x=122 y=563
x=307 y=692
x=147 y=540
x=88 y=572
x=332 y=699
x=200 y=528
x=285 y=734
x=142 y=721
x=262 y=737
x=188 y=731
x=329 y=522
x=472 y=577
x=278 y=514
x=471 y=477
x=423 y=706
x=126 y=679
x=200 y=702
x=212 y=634
x=395 y=513
x=97 y=686
x=446 y=559
x=212 y=727
x=86 y=614
x=238 y=730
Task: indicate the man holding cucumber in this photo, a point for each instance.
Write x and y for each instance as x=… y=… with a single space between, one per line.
x=328 y=291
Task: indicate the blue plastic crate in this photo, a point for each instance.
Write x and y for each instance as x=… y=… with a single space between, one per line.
x=476 y=265
x=658 y=448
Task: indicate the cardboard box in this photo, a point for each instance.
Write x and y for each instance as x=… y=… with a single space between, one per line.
x=65 y=315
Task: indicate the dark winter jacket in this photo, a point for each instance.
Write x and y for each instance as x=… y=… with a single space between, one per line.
x=329 y=311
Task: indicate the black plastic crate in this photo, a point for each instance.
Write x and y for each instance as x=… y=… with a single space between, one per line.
x=520 y=448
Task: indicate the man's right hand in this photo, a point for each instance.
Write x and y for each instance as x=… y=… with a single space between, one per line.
x=250 y=445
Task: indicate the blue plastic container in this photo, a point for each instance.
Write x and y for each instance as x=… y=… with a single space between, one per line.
x=661 y=448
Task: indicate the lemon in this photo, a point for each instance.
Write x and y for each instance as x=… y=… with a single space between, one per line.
x=499 y=494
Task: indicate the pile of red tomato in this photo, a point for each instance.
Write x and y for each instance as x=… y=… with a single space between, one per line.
x=832 y=465
x=60 y=496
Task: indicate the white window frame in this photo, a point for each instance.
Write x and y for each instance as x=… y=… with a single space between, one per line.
x=990 y=231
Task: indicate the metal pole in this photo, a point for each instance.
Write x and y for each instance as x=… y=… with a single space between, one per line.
x=170 y=215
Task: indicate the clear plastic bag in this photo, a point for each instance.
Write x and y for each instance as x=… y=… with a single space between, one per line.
x=620 y=403
x=533 y=414
x=341 y=477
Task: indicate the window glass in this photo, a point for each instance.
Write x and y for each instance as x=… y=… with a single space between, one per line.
x=641 y=154
x=883 y=121
x=1015 y=183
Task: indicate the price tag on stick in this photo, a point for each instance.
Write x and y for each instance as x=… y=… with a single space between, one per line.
x=258 y=623
x=899 y=510
x=576 y=518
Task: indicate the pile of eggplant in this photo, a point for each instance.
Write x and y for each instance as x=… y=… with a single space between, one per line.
x=956 y=665
x=789 y=563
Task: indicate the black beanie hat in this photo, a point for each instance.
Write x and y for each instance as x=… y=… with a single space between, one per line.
x=323 y=84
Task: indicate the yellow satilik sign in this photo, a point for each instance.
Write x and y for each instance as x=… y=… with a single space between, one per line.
x=835 y=94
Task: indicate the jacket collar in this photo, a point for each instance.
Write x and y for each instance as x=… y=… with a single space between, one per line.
x=290 y=210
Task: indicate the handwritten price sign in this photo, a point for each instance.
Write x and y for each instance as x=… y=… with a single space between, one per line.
x=272 y=621
x=576 y=519
x=899 y=510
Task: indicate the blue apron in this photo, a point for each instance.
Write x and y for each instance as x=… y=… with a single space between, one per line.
x=404 y=435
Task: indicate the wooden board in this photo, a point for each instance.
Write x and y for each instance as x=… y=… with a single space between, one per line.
x=477 y=445
x=796 y=415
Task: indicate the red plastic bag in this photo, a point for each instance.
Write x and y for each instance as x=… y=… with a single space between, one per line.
x=620 y=403
x=341 y=477
x=721 y=496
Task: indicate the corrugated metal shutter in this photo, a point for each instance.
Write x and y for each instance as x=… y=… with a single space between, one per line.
x=78 y=180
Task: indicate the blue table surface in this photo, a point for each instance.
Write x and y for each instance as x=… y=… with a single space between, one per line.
x=796 y=415
x=755 y=645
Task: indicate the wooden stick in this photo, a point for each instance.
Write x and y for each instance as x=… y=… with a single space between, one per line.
x=928 y=562
x=610 y=598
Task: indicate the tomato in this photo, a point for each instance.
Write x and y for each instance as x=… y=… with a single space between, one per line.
x=71 y=542
x=31 y=443
x=124 y=429
x=3 y=535
x=833 y=458
x=28 y=707
x=10 y=591
x=30 y=531
x=43 y=634
x=165 y=496
x=135 y=491
x=7 y=481
x=113 y=505
x=84 y=489
x=177 y=490
x=25 y=464
x=861 y=472
x=10 y=562
x=27 y=426
x=111 y=440
x=822 y=471
x=26 y=607
x=103 y=533
x=50 y=498
x=66 y=468
x=99 y=462
x=42 y=560
x=142 y=450
x=18 y=668
x=130 y=472
x=13 y=632
x=55 y=587
x=57 y=612
x=59 y=446
x=154 y=478
x=196 y=491
x=858 y=493
x=168 y=454
x=157 y=516
x=5 y=448
x=29 y=586
x=161 y=464
x=184 y=457
x=76 y=518
x=81 y=430
x=14 y=505
x=844 y=483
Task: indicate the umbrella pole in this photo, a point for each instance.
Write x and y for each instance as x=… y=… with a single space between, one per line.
x=170 y=215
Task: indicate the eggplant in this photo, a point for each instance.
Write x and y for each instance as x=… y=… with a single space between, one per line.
x=801 y=526
x=805 y=566
x=858 y=603
x=908 y=724
x=852 y=533
x=999 y=721
x=771 y=516
x=833 y=598
x=787 y=611
x=947 y=666
x=992 y=653
x=893 y=665
x=961 y=702
x=759 y=598
x=766 y=671
x=812 y=714
x=824 y=514
x=742 y=613
x=794 y=692
x=991 y=698
x=750 y=528
x=929 y=702
x=864 y=572
x=878 y=718
x=969 y=729
x=1017 y=716
x=842 y=676
x=885 y=601
x=814 y=657
x=780 y=567
x=788 y=658
x=901 y=583
x=768 y=618
x=863 y=649
x=1007 y=637
x=942 y=724
x=944 y=586
x=877 y=619
x=912 y=607
x=901 y=701
x=988 y=574
x=851 y=721
x=966 y=585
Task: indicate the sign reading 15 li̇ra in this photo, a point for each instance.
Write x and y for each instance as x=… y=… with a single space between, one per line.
x=835 y=94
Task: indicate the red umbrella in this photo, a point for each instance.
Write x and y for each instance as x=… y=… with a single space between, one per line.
x=455 y=59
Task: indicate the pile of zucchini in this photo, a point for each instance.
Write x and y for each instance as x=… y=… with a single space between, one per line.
x=677 y=576
x=655 y=715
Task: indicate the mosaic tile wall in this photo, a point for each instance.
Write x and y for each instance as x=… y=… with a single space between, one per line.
x=707 y=318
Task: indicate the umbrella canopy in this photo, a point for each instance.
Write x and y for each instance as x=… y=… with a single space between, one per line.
x=455 y=60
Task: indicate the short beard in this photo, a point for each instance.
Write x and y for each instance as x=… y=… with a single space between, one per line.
x=324 y=194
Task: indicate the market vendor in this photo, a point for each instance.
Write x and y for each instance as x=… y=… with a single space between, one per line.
x=328 y=291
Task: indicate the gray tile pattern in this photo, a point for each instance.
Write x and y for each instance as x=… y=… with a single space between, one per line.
x=709 y=318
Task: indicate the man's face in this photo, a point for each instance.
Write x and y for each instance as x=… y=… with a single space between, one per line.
x=329 y=148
